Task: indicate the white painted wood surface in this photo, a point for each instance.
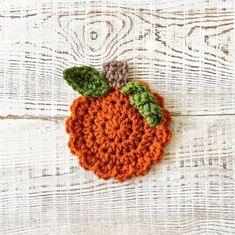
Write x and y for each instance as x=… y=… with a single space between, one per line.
x=185 y=49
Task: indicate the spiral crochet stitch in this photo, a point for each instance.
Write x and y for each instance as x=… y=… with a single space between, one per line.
x=86 y=80
x=111 y=138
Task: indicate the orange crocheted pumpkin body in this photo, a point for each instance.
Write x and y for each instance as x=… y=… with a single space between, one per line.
x=112 y=139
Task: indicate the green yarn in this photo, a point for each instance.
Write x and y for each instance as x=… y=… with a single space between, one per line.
x=132 y=87
x=86 y=80
x=144 y=101
x=141 y=98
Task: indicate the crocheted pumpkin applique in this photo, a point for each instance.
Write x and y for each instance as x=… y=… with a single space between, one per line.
x=118 y=128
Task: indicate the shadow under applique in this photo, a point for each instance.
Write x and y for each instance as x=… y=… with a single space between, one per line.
x=118 y=128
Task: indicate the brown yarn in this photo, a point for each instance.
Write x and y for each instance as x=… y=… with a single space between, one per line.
x=112 y=139
x=116 y=72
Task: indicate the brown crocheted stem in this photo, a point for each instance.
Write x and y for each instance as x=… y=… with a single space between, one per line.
x=116 y=72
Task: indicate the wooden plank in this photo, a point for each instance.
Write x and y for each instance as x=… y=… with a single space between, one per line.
x=183 y=48
x=43 y=191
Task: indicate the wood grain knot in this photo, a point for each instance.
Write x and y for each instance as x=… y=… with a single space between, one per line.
x=93 y=35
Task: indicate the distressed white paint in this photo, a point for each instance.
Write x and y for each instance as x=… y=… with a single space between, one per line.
x=191 y=191
x=184 y=49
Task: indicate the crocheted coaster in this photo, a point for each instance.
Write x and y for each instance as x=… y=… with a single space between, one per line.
x=117 y=129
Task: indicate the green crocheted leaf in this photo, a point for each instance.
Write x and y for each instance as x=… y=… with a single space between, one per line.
x=86 y=80
x=141 y=98
x=145 y=102
x=132 y=87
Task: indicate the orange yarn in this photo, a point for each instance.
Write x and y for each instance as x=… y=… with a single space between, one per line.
x=112 y=139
